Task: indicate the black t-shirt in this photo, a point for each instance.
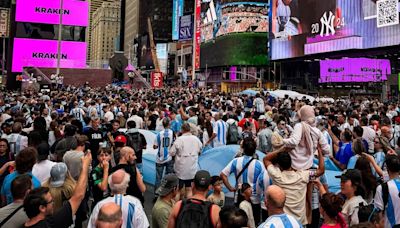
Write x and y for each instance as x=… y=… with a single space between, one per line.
x=153 y=122
x=61 y=219
x=133 y=188
x=95 y=138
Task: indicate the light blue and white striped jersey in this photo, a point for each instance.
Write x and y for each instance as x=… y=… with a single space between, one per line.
x=221 y=129
x=132 y=211
x=280 y=221
x=392 y=212
x=250 y=175
x=78 y=113
x=263 y=182
x=164 y=141
x=92 y=111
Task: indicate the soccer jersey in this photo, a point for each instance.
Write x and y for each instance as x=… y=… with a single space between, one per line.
x=221 y=129
x=250 y=175
x=282 y=220
x=263 y=182
x=164 y=140
x=392 y=212
x=132 y=211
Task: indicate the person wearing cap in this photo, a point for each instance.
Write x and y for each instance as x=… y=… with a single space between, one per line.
x=38 y=204
x=200 y=186
x=163 y=143
x=110 y=216
x=119 y=142
x=264 y=135
x=163 y=207
x=133 y=214
x=24 y=163
x=391 y=207
x=42 y=168
x=352 y=188
x=60 y=184
x=186 y=150
x=99 y=176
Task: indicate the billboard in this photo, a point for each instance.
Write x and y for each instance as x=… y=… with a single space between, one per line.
x=186 y=27
x=219 y=17
x=43 y=53
x=162 y=56
x=156 y=79
x=48 y=12
x=331 y=25
x=197 y=35
x=4 y=19
x=354 y=70
x=177 y=11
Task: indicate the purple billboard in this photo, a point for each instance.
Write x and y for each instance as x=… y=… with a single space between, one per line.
x=74 y=12
x=354 y=70
x=331 y=25
x=43 y=53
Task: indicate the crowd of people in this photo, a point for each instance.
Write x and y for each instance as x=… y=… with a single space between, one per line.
x=74 y=157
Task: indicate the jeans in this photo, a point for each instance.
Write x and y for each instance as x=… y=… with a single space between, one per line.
x=169 y=168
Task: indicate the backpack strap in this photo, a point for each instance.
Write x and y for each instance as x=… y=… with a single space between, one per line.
x=385 y=194
x=10 y=215
x=244 y=168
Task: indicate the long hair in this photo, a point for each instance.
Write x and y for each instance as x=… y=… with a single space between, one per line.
x=9 y=155
x=62 y=193
x=208 y=128
x=332 y=205
x=357 y=146
x=368 y=178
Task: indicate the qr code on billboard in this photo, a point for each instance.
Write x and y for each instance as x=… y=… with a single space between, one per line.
x=388 y=13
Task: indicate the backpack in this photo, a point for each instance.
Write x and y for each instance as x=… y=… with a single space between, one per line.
x=135 y=141
x=194 y=213
x=233 y=134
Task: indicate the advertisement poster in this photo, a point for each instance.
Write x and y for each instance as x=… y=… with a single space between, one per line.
x=197 y=21
x=186 y=27
x=332 y=25
x=156 y=80
x=162 y=56
x=43 y=53
x=177 y=12
x=48 y=12
x=354 y=70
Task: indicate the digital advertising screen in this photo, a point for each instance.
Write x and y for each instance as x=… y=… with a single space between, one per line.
x=234 y=32
x=74 y=12
x=305 y=27
x=354 y=70
x=43 y=53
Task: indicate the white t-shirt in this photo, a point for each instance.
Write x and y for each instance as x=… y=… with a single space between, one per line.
x=350 y=209
x=369 y=135
x=41 y=170
x=109 y=116
x=246 y=206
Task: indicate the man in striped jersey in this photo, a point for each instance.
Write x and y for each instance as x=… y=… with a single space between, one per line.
x=249 y=175
x=220 y=129
x=77 y=112
x=163 y=143
x=133 y=214
x=275 y=201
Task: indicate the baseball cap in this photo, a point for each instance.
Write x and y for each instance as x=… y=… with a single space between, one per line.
x=202 y=179
x=58 y=173
x=120 y=138
x=351 y=174
x=168 y=183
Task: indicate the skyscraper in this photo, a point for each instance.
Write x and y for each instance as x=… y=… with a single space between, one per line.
x=104 y=33
x=131 y=27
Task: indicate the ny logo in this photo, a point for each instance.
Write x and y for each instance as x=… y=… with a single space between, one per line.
x=327 y=24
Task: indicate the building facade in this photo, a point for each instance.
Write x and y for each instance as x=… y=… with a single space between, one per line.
x=131 y=29
x=104 y=33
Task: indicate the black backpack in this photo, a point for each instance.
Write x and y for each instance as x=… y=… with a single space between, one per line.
x=194 y=213
x=233 y=134
x=135 y=141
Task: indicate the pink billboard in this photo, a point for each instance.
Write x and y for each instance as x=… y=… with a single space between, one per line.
x=74 y=12
x=43 y=53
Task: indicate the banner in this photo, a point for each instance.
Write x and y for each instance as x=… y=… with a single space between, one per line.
x=4 y=22
x=177 y=11
x=156 y=79
x=43 y=53
x=186 y=27
x=354 y=70
x=197 y=21
x=74 y=12
x=331 y=25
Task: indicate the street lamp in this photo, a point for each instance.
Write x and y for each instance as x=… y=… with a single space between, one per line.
x=60 y=27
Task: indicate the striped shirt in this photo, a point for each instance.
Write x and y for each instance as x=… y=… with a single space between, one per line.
x=392 y=212
x=263 y=182
x=133 y=214
x=250 y=175
x=259 y=104
x=164 y=141
x=221 y=129
x=78 y=113
x=280 y=221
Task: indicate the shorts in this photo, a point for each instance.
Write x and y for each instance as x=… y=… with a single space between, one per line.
x=186 y=183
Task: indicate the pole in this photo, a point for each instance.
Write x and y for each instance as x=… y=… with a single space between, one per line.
x=60 y=27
